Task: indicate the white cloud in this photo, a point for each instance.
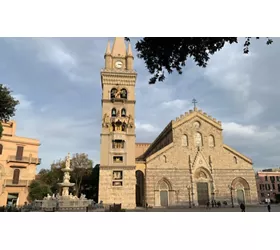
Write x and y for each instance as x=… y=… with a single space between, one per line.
x=146 y=127
x=233 y=128
x=177 y=103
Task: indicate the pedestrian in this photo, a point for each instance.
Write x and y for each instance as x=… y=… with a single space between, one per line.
x=268 y=207
x=208 y=204
x=242 y=207
x=212 y=203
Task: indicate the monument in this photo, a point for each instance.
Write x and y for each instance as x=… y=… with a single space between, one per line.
x=66 y=201
x=66 y=178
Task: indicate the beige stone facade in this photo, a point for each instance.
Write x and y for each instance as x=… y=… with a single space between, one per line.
x=187 y=164
x=18 y=161
x=117 y=159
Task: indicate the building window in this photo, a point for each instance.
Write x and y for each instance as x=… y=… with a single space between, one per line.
x=277 y=178
x=262 y=194
x=1 y=149
x=117 y=144
x=265 y=178
x=16 y=176
x=261 y=187
x=278 y=185
x=123 y=113
x=211 y=141
x=124 y=93
x=235 y=159
x=164 y=158
x=273 y=186
x=272 y=178
x=19 y=153
x=198 y=140
x=113 y=93
x=185 y=140
x=114 y=112
x=117 y=175
x=117 y=159
x=267 y=186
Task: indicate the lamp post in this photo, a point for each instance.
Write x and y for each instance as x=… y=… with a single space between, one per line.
x=231 y=197
x=189 y=192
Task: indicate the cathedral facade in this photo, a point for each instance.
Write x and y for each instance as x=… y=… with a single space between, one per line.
x=187 y=164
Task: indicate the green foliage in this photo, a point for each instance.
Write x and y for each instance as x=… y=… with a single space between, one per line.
x=38 y=190
x=162 y=54
x=7 y=105
x=51 y=177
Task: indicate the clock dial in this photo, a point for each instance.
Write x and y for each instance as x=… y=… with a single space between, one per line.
x=118 y=64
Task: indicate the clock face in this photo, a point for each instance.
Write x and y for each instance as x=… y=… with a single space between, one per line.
x=118 y=64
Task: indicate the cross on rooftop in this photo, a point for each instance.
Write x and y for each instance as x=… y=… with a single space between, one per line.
x=194 y=103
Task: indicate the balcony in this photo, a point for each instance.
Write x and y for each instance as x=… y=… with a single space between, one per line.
x=30 y=160
x=21 y=183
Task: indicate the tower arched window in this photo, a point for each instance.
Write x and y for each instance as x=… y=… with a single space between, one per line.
x=1 y=149
x=123 y=113
x=124 y=93
x=16 y=176
x=114 y=112
x=113 y=93
x=235 y=159
x=164 y=158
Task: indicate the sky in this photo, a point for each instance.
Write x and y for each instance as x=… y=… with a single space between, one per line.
x=57 y=81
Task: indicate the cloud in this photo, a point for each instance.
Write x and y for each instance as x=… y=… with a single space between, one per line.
x=177 y=103
x=57 y=81
x=145 y=127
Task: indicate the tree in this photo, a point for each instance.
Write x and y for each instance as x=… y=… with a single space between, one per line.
x=7 y=105
x=162 y=54
x=82 y=167
x=38 y=190
x=51 y=177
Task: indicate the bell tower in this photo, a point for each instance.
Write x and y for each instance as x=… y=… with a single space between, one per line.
x=117 y=147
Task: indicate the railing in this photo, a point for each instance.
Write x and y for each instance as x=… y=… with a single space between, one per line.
x=21 y=183
x=25 y=159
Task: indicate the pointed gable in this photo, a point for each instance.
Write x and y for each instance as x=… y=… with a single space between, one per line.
x=119 y=48
x=197 y=113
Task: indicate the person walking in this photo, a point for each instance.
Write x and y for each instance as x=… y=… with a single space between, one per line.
x=242 y=207
x=268 y=207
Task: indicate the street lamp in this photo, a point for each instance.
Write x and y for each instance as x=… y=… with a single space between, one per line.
x=231 y=197
x=189 y=192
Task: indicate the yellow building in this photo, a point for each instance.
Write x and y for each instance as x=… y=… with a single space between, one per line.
x=188 y=163
x=18 y=161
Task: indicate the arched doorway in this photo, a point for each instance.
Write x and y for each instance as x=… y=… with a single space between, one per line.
x=240 y=196
x=140 y=180
x=242 y=190
x=203 y=185
x=163 y=192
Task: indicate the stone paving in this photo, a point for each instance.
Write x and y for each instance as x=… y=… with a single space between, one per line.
x=259 y=208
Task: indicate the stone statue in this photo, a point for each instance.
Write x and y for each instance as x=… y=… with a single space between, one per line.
x=118 y=113
x=106 y=120
x=67 y=163
x=130 y=121
x=118 y=93
x=66 y=177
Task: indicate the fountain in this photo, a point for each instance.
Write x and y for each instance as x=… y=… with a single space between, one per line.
x=66 y=178
x=66 y=202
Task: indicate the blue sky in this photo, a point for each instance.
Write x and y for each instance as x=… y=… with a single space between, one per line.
x=57 y=81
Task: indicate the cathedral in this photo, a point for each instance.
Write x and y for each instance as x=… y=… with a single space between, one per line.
x=186 y=165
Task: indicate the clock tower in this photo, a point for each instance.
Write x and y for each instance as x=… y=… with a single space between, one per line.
x=117 y=147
